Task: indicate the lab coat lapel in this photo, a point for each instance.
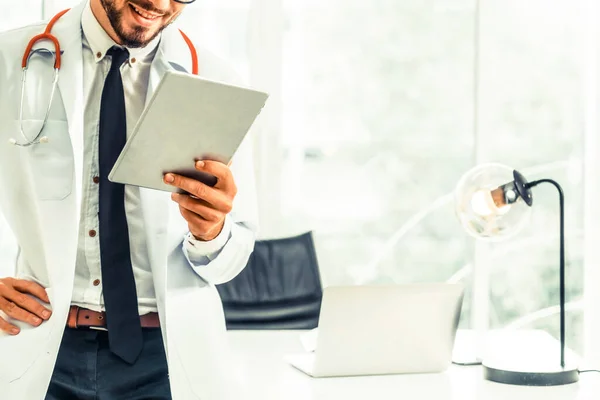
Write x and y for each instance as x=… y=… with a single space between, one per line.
x=70 y=83
x=156 y=204
x=58 y=226
x=60 y=219
x=171 y=50
x=172 y=54
x=156 y=219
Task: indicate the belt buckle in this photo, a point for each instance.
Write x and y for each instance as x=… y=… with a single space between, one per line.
x=100 y=328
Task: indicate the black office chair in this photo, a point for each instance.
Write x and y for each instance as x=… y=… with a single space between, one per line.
x=280 y=288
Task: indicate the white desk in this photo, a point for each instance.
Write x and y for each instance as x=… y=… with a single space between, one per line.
x=267 y=376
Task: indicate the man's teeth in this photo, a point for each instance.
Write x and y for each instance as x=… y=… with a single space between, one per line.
x=144 y=13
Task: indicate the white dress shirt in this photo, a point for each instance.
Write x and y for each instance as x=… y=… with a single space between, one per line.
x=87 y=290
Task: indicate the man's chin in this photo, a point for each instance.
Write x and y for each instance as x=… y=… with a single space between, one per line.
x=134 y=38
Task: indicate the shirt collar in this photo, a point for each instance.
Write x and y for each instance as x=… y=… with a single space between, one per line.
x=99 y=41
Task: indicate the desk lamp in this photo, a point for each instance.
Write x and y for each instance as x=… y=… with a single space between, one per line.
x=493 y=202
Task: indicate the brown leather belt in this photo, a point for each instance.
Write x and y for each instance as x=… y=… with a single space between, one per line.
x=84 y=318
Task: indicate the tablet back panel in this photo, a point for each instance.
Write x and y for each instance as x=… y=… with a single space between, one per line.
x=187 y=119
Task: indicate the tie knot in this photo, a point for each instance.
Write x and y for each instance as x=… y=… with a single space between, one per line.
x=119 y=56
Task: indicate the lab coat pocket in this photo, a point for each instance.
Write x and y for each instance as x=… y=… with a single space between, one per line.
x=20 y=352
x=52 y=162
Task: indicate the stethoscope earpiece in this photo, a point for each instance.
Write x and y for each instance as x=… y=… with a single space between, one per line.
x=13 y=141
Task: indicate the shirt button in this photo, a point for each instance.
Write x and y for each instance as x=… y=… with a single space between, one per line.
x=92 y=233
x=98 y=54
x=96 y=179
x=133 y=60
x=97 y=282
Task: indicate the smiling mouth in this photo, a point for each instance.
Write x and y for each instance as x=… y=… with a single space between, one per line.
x=146 y=14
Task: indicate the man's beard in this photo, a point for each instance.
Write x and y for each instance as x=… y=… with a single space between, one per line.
x=133 y=39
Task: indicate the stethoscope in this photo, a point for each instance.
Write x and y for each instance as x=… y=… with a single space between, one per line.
x=47 y=35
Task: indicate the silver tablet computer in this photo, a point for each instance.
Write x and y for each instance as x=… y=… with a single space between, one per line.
x=188 y=118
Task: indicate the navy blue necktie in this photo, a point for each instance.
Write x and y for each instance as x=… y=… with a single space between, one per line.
x=120 y=298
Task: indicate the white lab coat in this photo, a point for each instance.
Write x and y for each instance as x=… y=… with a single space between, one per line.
x=40 y=195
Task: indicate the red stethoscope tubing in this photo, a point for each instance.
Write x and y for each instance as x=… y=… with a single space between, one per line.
x=47 y=35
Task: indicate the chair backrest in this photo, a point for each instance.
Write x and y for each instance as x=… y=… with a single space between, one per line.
x=280 y=288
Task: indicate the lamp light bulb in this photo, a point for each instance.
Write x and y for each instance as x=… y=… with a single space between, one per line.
x=485 y=203
x=481 y=203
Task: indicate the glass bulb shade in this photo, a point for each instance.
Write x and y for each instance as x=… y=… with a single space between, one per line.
x=480 y=203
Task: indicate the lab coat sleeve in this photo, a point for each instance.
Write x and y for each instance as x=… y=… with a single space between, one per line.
x=223 y=258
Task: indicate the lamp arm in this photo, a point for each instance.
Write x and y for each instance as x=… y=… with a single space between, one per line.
x=561 y=198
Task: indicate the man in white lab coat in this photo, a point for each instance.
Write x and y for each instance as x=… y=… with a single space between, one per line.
x=107 y=291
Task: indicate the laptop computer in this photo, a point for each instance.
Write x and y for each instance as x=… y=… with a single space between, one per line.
x=377 y=330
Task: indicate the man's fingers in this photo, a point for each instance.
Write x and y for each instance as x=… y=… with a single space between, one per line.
x=8 y=328
x=190 y=186
x=212 y=196
x=28 y=303
x=14 y=311
x=17 y=302
x=210 y=211
x=224 y=176
x=198 y=207
x=32 y=288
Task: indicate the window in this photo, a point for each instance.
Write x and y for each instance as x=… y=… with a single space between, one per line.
x=386 y=104
x=531 y=101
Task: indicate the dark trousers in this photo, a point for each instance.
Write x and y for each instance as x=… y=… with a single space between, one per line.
x=87 y=370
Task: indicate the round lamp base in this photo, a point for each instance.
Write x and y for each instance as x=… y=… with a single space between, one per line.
x=559 y=376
